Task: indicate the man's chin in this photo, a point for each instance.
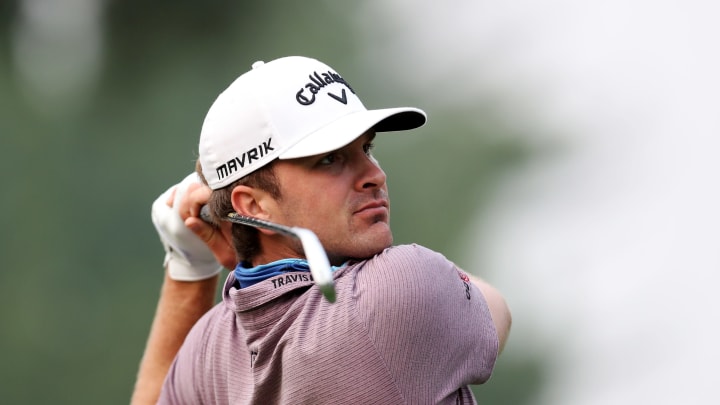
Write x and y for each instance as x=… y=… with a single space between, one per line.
x=365 y=247
x=381 y=233
x=376 y=243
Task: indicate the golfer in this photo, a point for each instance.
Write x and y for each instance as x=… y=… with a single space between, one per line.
x=291 y=143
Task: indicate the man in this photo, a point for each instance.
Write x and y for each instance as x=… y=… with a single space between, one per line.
x=290 y=142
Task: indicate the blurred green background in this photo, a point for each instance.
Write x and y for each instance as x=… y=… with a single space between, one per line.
x=101 y=105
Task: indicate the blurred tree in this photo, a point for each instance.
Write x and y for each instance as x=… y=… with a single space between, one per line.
x=81 y=263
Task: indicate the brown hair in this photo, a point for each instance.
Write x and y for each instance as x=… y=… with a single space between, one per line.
x=245 y=238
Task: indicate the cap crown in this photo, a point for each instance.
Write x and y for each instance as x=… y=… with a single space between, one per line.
x=287 y=108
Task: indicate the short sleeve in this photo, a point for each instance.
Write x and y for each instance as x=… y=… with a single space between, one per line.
x=183 y=378
x=430 y=324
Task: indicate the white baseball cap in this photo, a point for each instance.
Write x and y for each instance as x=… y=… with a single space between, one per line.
x=288 y=108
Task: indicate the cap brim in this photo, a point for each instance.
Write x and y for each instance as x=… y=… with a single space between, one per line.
x=346 y=129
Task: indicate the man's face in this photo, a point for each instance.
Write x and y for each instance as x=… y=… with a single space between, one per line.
x=341 y=196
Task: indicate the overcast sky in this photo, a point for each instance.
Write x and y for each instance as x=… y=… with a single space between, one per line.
x=607 y=251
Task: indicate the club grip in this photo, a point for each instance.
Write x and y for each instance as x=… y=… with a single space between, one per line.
x=205 y=214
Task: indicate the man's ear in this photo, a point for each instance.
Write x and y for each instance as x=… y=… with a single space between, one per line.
x=251 y=202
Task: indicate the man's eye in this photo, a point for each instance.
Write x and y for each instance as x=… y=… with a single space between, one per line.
x=368 y=148
x=328 y=160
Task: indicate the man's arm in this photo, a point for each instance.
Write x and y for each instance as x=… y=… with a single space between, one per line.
x=498 y=309
x=180 y=305
x=190 y=283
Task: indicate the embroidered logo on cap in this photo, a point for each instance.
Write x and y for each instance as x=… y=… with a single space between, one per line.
x=316 y=83
x=246 y=158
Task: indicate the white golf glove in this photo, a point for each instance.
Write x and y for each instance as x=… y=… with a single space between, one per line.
x=187 y=257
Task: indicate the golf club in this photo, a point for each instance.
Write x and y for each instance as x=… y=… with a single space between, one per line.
x=314 y=251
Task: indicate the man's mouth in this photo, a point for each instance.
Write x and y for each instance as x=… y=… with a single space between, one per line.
x=374 y=208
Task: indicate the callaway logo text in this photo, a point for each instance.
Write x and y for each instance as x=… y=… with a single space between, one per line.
x=317 y=82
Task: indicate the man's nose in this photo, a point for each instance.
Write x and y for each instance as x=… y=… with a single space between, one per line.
x=372 y=175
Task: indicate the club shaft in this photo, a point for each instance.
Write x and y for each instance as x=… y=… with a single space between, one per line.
x=319 y=266
x=250 y=221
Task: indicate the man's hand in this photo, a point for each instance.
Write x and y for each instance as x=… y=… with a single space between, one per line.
x=194 y=249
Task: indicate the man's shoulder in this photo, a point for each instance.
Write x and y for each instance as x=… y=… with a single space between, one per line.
x=408 y=249
x=408 y=256
x=212 y=322
x=406 y=265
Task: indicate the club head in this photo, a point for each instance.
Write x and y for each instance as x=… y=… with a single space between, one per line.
x=318 y=262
